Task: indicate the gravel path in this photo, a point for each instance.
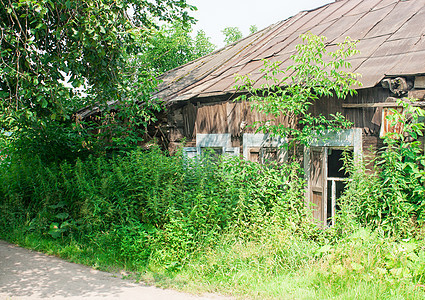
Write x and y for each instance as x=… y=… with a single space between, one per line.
x=26 y=274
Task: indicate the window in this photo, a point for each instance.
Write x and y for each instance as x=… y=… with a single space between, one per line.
x=263 y=148
x=215 y=151
x=322 y=166
x=218 y=144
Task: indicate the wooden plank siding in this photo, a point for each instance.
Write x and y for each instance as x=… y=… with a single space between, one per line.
x=361 y=116
x=215 y=116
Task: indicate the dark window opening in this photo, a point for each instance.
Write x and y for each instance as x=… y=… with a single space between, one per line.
x=336 y=164
x=336 y=182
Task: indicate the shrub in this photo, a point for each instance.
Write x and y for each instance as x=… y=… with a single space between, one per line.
x=150 y=207
x=392 y=196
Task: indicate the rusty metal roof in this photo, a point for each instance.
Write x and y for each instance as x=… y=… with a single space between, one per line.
x=391 y=36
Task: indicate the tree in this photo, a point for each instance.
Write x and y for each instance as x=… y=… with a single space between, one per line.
x=253 y=29
x=172 y=46
x=59 y=56
x=202 y=44
x=315 y=73
x=87 y=44
x=231 y=35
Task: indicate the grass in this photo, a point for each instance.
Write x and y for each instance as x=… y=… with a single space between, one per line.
x=269 y=266
x=67 y=249
x=235 y=229
x=268 y=263
x=240 y=271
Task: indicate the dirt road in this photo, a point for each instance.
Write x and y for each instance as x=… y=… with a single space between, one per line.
x=26 y=274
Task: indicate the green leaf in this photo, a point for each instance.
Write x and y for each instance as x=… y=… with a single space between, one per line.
x=397 y=272
x=58 y=205
x=55 y=231
x=324 y=249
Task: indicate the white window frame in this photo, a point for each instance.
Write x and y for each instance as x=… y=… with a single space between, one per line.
x=263 y=141
x=349 y=138
x=220 y=140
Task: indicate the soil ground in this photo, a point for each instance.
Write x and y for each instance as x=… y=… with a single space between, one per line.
x=26 y=274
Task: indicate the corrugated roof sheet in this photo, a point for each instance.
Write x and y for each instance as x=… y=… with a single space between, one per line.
x=391 y=35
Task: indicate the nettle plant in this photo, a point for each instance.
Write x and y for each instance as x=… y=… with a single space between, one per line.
x=402 y=162
x=316 y=72
x=392 y=196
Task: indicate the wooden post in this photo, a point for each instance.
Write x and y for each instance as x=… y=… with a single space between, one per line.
x=333 y=201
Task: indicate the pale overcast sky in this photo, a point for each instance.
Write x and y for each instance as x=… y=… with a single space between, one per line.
x=214 y=15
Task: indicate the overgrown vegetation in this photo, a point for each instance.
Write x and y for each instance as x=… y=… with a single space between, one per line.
x=172 y=46
x=224 y=224
x=228 y=226
x=57 y=57
x=391 y=197
x=146 y=208
x=89 y=45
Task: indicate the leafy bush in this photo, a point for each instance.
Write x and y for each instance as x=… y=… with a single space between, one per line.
x=225 y=224
x=392 y=196
x=151 y=208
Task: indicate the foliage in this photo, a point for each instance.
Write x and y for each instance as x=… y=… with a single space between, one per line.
x=223 y=225
x=280 y=265
x=315 y=73
x=86 y=44
x=392 y=196
x=57 y=57
x=172 y=46
x=53 y=142
x=169 y=207
x=371 y=255
x=202 y=45
x=253 y=29
x=231 y=35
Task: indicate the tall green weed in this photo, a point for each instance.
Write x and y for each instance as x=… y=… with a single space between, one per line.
x=391 y=197
x=150 y=208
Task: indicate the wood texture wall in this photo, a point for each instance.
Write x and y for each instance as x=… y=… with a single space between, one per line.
x=225 y=116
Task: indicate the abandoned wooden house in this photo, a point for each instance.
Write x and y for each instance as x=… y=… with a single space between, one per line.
x=391 y=36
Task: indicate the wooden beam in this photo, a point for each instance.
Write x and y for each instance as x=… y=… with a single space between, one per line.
x=417 y=94
x=380 y=104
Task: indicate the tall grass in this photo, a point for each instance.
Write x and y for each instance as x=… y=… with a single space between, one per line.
x=363 y=265
x=225 y=225
x=148 y=208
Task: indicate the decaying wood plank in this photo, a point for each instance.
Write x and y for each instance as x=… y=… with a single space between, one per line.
x=418 y=94
x=420 y=82
x=381 y=104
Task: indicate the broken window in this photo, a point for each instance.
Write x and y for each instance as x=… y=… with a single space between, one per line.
x=327 y=180
x=269 y=154
x=211 y=152
x=324 y=173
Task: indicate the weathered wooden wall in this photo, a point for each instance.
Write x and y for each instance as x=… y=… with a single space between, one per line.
x=215 y=115
x=361 y=117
